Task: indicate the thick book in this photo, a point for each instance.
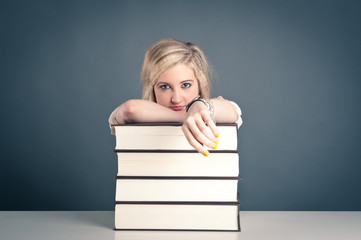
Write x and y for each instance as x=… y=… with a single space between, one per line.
x=164 y=184
x=177 y=216
x=217 y=164
x=167 y=136
x=184 y=189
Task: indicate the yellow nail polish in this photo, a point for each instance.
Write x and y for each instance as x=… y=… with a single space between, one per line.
x=215 y=147
x=216 y=142
x=217 y=135
x=206 y=154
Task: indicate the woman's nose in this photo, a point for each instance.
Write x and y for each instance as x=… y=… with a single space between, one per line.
x=176 y=97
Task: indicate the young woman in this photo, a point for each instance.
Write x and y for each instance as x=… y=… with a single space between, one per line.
x=176 y=88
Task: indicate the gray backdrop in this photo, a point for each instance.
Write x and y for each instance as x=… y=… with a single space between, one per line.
x=292 y=66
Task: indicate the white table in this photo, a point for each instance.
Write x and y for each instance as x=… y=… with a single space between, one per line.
x=255 y=225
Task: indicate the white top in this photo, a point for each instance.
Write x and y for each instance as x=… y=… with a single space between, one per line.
x=113 y=120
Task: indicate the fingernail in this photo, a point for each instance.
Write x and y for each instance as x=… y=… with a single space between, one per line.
x=216 y=142
x=217 y=135
x=215 y=147
x=206 y=154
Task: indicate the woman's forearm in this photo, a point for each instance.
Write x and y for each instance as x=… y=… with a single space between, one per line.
x=224 y=111
x=138 y=110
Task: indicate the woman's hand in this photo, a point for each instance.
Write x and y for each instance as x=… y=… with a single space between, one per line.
x=195 y=128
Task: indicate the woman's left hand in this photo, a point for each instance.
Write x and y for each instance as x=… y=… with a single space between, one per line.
x=199 y=128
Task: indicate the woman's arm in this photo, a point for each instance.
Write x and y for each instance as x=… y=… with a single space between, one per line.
x=224 y=111
x=194 y=122
x=194 y=126
x=138 y=110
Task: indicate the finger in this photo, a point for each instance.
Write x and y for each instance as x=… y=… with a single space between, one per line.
x=209 y=121
x=213 y=127
x=193 y=142
x=210 y=140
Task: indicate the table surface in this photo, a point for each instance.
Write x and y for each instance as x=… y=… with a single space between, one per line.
x=255 y=225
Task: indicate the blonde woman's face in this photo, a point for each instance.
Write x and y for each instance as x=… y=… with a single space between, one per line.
x=176 y=87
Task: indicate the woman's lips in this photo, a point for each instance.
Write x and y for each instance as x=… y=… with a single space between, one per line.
x=177 y=108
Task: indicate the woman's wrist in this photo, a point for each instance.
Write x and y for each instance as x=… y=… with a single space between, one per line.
x=196 y=106
x=203 y=104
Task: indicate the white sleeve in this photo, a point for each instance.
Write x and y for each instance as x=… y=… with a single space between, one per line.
x=239 y=112
x=112 y=120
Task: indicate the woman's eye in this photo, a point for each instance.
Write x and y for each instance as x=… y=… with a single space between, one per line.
x=164 y=87
x=186 y=85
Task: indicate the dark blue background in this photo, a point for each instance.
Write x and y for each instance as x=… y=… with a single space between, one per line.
x=292 y=66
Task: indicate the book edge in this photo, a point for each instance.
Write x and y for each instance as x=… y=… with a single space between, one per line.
x=181 y=177
x=188 y=203
x=166 y=124
x=171 y=151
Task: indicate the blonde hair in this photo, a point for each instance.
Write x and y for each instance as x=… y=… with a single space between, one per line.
x=168 y=52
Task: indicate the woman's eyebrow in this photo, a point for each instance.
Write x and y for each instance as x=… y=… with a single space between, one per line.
x=188 y=80
x=158 y=83
x=161 y=83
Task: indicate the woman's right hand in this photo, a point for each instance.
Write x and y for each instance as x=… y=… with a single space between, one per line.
x=199 y=128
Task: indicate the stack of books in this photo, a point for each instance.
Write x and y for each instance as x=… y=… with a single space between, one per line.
x=164 y=184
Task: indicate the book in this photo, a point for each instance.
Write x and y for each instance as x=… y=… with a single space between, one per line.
x=184 y=189
x=177 y=216
x=163 y=183
x=218 y=164
x=176 y=235
x=153 y=137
